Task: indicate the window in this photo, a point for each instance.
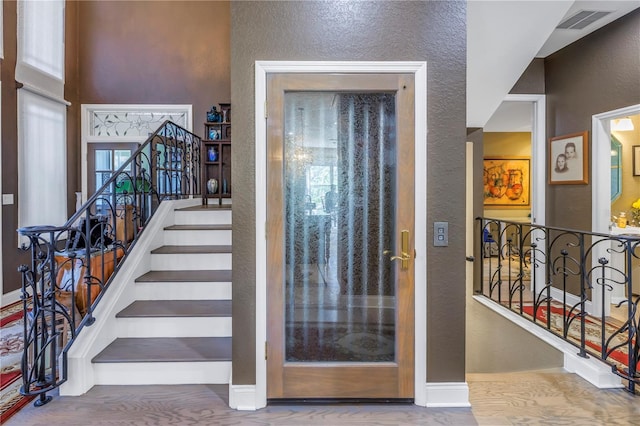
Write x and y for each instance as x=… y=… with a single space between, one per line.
x=320 y=181
x=40 y=61
x=42 y=159
x=104 y=159
x=42 y=115
x=108 y=161
x=616 y=169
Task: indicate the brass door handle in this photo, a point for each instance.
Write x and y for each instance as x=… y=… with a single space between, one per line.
x=404 y=254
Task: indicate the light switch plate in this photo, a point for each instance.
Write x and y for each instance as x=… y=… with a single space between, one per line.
x=7 y=199
x=440 y=234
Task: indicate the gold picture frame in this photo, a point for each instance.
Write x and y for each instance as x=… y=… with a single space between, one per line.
x=507 y=182
x=636 y=160
x=569 y=159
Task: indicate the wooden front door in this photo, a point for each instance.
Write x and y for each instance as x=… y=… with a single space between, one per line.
x=340 y=232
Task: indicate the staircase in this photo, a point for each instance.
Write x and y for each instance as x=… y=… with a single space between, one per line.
x=178 y=328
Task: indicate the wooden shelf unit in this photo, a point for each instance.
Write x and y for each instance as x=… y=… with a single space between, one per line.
x=216 y=155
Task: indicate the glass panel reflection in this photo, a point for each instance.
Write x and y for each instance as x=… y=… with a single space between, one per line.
x=120 y=156
x=340 y=179
x=103 y=159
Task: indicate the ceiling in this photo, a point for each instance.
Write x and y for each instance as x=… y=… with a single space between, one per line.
x=503 y=37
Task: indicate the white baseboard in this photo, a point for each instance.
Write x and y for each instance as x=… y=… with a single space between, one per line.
x=448 y=394
x=243 y=397
x=11 y=297
x=596 y=373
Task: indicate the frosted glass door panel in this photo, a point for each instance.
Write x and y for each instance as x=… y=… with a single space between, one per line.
x=340 y=173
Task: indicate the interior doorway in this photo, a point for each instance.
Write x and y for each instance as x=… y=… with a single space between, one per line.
x=601 y=202
x=418 y=69
x=520 y=127
x=340 y=276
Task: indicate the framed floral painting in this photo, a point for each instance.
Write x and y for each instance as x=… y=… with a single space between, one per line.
x=507 y=182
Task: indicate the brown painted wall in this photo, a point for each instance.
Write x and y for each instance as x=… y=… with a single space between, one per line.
x=155 y=52
x=531 y=82
x=72 y=94
x=596 y=74
x=11 y=256
x=352 y=30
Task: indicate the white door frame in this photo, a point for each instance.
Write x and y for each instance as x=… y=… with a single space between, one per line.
x=601 y=192
x=251 y=397
x=538 y=166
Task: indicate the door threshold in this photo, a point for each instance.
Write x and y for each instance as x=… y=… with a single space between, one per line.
x=340 y=401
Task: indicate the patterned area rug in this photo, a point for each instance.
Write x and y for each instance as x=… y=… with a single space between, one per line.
x=11 y=344
x=333 y=342
x=593 y=332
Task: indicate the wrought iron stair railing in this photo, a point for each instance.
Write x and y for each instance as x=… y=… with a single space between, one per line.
x=72 y=265
x=563 y=280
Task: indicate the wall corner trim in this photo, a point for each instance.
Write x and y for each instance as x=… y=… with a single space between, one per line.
x=243 y=397
x=447 y=394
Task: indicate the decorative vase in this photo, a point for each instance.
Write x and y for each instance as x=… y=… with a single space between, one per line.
x=212 y=186
x=213 y=116
x=225 y=112
x=212 y=154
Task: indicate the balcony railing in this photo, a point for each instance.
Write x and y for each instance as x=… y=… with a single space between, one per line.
x=73 y=265
x=578 y=285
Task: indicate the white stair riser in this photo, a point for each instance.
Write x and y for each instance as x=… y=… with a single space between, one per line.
x=191 y=261
x=162 y=373
x=205 y=217
x=174 y=327
x=197 y=237
x=182 y=291
x=215 y=201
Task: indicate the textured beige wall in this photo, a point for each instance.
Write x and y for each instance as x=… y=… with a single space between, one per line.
x=360 y=31
x=496 y=345
x=597 y=73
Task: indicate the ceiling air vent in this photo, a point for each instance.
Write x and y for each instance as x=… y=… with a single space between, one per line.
x=581 y=19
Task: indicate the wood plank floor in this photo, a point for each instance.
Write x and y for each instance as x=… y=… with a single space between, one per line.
x=533 y=398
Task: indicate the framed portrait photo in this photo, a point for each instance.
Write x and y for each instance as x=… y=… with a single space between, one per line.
x=569 y=159
x=636 y=160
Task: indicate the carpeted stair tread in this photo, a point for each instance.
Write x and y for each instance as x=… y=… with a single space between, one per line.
x=166 y=349
x=191 y=249
x=205 y=208
x=198 y=228
x=186 y=276
x=176 y=308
